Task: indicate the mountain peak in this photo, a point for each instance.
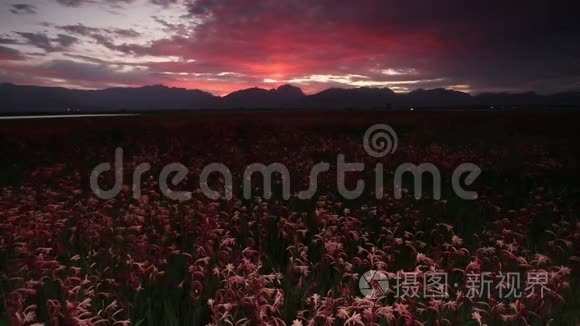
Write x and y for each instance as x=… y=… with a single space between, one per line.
x=288 y=90
x=156 y=86
x=247 y=92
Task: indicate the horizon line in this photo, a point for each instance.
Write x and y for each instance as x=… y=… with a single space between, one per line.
x=293 y=85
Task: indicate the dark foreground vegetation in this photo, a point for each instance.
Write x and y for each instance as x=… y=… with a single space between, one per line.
x=70 y=258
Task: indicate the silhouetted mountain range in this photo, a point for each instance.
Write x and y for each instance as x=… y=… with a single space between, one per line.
x=24 y=99
x=283 y=96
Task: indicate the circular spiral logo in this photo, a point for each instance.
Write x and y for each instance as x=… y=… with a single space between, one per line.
x=380 y=140
x=373 y=284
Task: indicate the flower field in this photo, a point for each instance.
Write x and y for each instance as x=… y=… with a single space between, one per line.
x=68 y=257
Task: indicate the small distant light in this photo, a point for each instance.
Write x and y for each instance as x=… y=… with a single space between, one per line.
x=412 y=109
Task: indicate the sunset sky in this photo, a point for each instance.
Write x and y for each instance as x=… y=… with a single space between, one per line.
x=220 y=46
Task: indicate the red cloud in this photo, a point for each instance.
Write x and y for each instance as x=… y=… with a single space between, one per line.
x=426 y=44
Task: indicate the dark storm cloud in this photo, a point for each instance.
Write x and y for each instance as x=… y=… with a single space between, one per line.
x=128 y=33
x=6 y=40
x=23 y=9
x=165 y=2
x=64 y=41
x=39 y=40
x=485 y=44
x=44 y=42
x=99 y=33
x=106 y=37
x=99 y=73
x=77 y=73
x=7 y=53
x=72 y=3
x=78 y=3
x=80 y=29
